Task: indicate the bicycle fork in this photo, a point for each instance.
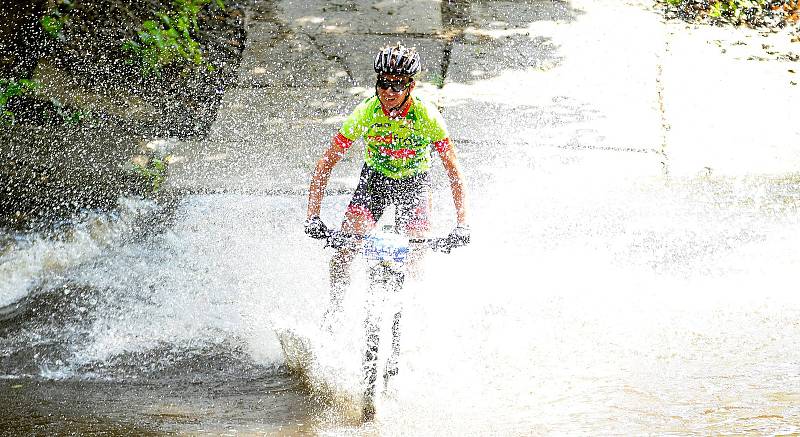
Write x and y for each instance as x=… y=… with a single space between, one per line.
x=388 y=281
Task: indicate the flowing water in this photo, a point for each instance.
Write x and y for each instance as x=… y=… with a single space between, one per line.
x=585 y=305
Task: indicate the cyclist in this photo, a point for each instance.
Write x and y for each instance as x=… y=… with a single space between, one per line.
x=399 y=131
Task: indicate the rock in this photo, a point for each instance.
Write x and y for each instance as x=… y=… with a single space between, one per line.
x=117 y=102
x=54 y=165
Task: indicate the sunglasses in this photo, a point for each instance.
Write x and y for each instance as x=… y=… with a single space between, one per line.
x=396 y=86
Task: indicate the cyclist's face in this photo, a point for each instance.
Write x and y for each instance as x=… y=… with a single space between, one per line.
x=387 y=95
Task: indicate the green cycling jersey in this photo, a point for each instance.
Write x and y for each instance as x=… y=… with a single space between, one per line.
x=397 y=147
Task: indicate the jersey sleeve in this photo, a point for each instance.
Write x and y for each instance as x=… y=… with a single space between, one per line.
x=442 y=146
x=357 y=123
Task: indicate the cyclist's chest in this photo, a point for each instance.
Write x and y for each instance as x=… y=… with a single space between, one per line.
x=403 y=133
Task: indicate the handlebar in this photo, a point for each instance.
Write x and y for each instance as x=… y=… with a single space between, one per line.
x=337 y=240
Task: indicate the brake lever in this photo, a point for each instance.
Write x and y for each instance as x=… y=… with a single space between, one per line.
x=337 y=240
x=440 y=245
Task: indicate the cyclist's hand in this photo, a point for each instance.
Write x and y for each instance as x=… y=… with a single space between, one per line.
x=315 y=228
x=458 y=237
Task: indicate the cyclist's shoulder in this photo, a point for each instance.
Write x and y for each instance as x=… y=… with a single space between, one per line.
x=424 y=105
x=426 y=110
x=367 y=107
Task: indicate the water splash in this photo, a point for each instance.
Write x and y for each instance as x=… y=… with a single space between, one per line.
x=584 y=307
x=30 y=259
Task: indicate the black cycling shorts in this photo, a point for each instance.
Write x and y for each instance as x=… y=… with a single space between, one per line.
x=411 y=197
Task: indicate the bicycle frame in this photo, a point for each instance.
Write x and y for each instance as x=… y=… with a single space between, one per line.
x=386 y=254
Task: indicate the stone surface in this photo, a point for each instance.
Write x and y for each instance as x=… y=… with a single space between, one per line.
x=352 y=52
x=571 y=93
x=289 y=60
x=361 y=16
x=56 y=84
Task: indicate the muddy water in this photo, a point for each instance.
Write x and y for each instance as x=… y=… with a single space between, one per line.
x=97 y=339
x=271 y=404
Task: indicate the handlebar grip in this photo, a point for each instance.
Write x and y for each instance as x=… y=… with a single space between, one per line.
x=440 y=245
x=436 y=244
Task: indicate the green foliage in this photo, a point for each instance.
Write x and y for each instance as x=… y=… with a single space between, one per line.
x=733 y=8
x=437 y=80
x=155 y=172
x=10 y=88
x=716 y=10
x=67 y=115
x=168 y=40
x=53 y=23
x=755 y=13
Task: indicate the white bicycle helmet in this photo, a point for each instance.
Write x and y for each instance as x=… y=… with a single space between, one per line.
x=399 y=60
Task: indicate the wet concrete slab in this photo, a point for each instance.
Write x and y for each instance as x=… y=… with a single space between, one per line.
x=271 y=167
x=477 y=57
x=322 y=17
x=584 y=84
x=264 y=139
x=243 y=111
x=729 y=102
x=498 y=122
x=299 y=60
x=287 y=59
x=352 y=53
x=507 y=14
x=570 y=92
x=499 y=35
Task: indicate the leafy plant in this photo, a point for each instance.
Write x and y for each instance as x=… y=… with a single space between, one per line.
x=437 y=80
x=53 y=23
x=67 y=115
x=10 y=88
x=758 y=13
x=716 y=10
x=154 y=172
x=168 y=40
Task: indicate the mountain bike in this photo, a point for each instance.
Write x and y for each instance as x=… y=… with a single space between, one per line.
x=386 y=253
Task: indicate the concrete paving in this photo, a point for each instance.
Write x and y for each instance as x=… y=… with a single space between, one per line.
x=590 y=88
x=550 y=81
x=731 y=101
x=324 y=17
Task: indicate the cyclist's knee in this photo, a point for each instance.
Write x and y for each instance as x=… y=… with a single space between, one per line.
x=358 y=220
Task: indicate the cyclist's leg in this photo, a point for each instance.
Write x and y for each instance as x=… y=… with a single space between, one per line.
x=364 y=210
x=413 y=218
x=357 y=221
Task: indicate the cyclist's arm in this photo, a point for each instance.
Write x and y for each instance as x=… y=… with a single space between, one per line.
x=322 y=172
x=450 y=161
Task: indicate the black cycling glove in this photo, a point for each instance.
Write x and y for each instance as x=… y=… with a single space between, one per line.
x=458 y=237
x=315 y=228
